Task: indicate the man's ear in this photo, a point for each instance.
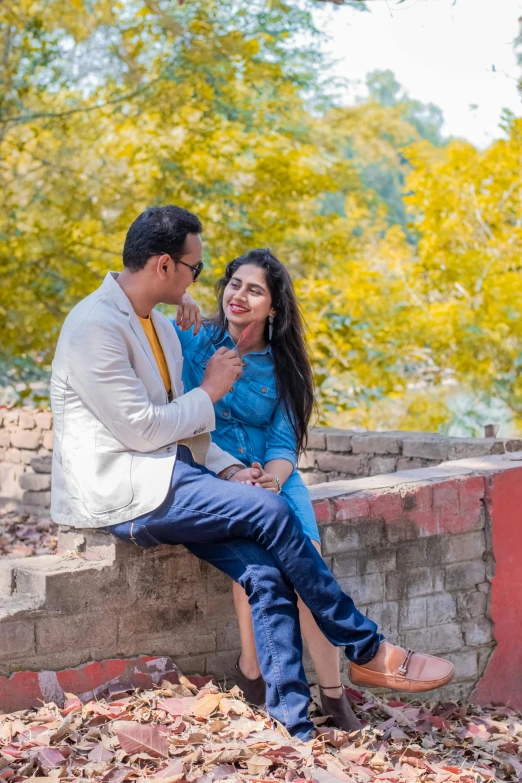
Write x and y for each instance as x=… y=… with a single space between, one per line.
x=163 y=265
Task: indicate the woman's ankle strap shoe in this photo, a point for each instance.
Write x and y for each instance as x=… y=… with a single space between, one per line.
x=340 y=711
x=254 y=691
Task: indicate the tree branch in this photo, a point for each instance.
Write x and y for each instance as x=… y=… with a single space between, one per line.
x=23 y=118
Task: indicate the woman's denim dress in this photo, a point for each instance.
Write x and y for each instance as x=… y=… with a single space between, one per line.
x=251 y=424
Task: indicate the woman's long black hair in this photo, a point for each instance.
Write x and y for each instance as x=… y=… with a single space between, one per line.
x=293 y=370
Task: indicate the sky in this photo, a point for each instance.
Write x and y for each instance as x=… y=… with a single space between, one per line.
x=457 y=54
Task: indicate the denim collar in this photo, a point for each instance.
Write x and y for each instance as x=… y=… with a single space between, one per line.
x=228 y=341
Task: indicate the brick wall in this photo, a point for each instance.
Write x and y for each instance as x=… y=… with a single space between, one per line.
x=26 y=442
x=417 y=550
x=337 y=454
x=415 y=556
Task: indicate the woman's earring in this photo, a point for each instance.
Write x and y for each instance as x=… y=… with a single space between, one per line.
x=270 y=327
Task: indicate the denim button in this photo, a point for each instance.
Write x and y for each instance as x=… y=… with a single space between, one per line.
x=264 y=390
x=244 y=364
x=241 y=450
x=231 y=389
x=226 y=414
x=205 y=363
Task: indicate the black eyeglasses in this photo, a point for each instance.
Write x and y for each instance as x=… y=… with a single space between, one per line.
x=196 y=269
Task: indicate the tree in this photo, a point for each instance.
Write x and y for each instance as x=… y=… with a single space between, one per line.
x=218 y=105
x=111 y=107
x=375 y=135
x=468 y=275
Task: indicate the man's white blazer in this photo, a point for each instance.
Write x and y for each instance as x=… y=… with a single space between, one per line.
x=115 y=431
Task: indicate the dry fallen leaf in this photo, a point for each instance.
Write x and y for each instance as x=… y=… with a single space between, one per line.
x=257 y=765
x=49 y=758
x=64 y=728
x=170 y=774
x=335 y=767
x=136 y=737
x=188 y=684
x=236 y=706
x=216 y=726
x=176 y=706
x=117 y=775
x=100 y=753
x=23 y=535
x=205 y=706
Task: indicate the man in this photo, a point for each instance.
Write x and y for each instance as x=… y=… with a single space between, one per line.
x=133 y=455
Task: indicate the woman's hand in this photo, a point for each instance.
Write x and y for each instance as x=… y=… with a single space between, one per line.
x=268 y=481
x=188 y=314
x=257 y=476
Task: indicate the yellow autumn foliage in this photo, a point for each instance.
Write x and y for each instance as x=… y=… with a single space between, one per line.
x=217 y=105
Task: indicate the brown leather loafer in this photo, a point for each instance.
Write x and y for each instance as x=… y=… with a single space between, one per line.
x=340 y=712
x=402 y=670
x=254 y=691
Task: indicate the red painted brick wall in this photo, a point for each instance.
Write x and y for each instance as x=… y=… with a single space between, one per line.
x=502 y=679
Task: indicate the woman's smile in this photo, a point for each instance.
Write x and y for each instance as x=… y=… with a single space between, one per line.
x=238 y=309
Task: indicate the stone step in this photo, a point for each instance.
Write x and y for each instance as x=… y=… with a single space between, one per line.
x=51 y=579
x=15 y=606
x=87 y=567
x=64 y=583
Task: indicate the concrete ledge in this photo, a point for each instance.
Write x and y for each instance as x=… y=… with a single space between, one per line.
x=417 y=550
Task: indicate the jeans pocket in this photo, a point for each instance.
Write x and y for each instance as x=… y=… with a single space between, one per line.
x=140 y=536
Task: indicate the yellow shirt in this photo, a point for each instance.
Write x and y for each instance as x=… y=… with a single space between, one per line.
x=157 y=350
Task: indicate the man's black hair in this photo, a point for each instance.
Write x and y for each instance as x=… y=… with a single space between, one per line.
x=158 y=230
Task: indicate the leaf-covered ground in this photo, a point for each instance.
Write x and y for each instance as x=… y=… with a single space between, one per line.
x=26 y=535
x=178 y=733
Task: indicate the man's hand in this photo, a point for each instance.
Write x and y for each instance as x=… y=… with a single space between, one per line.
x=188 y=313
x=223 y=368
x=248 y=475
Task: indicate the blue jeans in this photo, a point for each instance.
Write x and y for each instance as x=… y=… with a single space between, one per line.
x=253 y=536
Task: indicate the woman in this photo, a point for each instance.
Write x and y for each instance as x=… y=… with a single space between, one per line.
x=264 y=419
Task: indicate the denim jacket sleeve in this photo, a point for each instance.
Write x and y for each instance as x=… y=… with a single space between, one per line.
x=280 y=441
x=185 y=337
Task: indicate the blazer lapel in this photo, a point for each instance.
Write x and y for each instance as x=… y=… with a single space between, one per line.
x=142 y=337
x=121 y=299
x=167 y=341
